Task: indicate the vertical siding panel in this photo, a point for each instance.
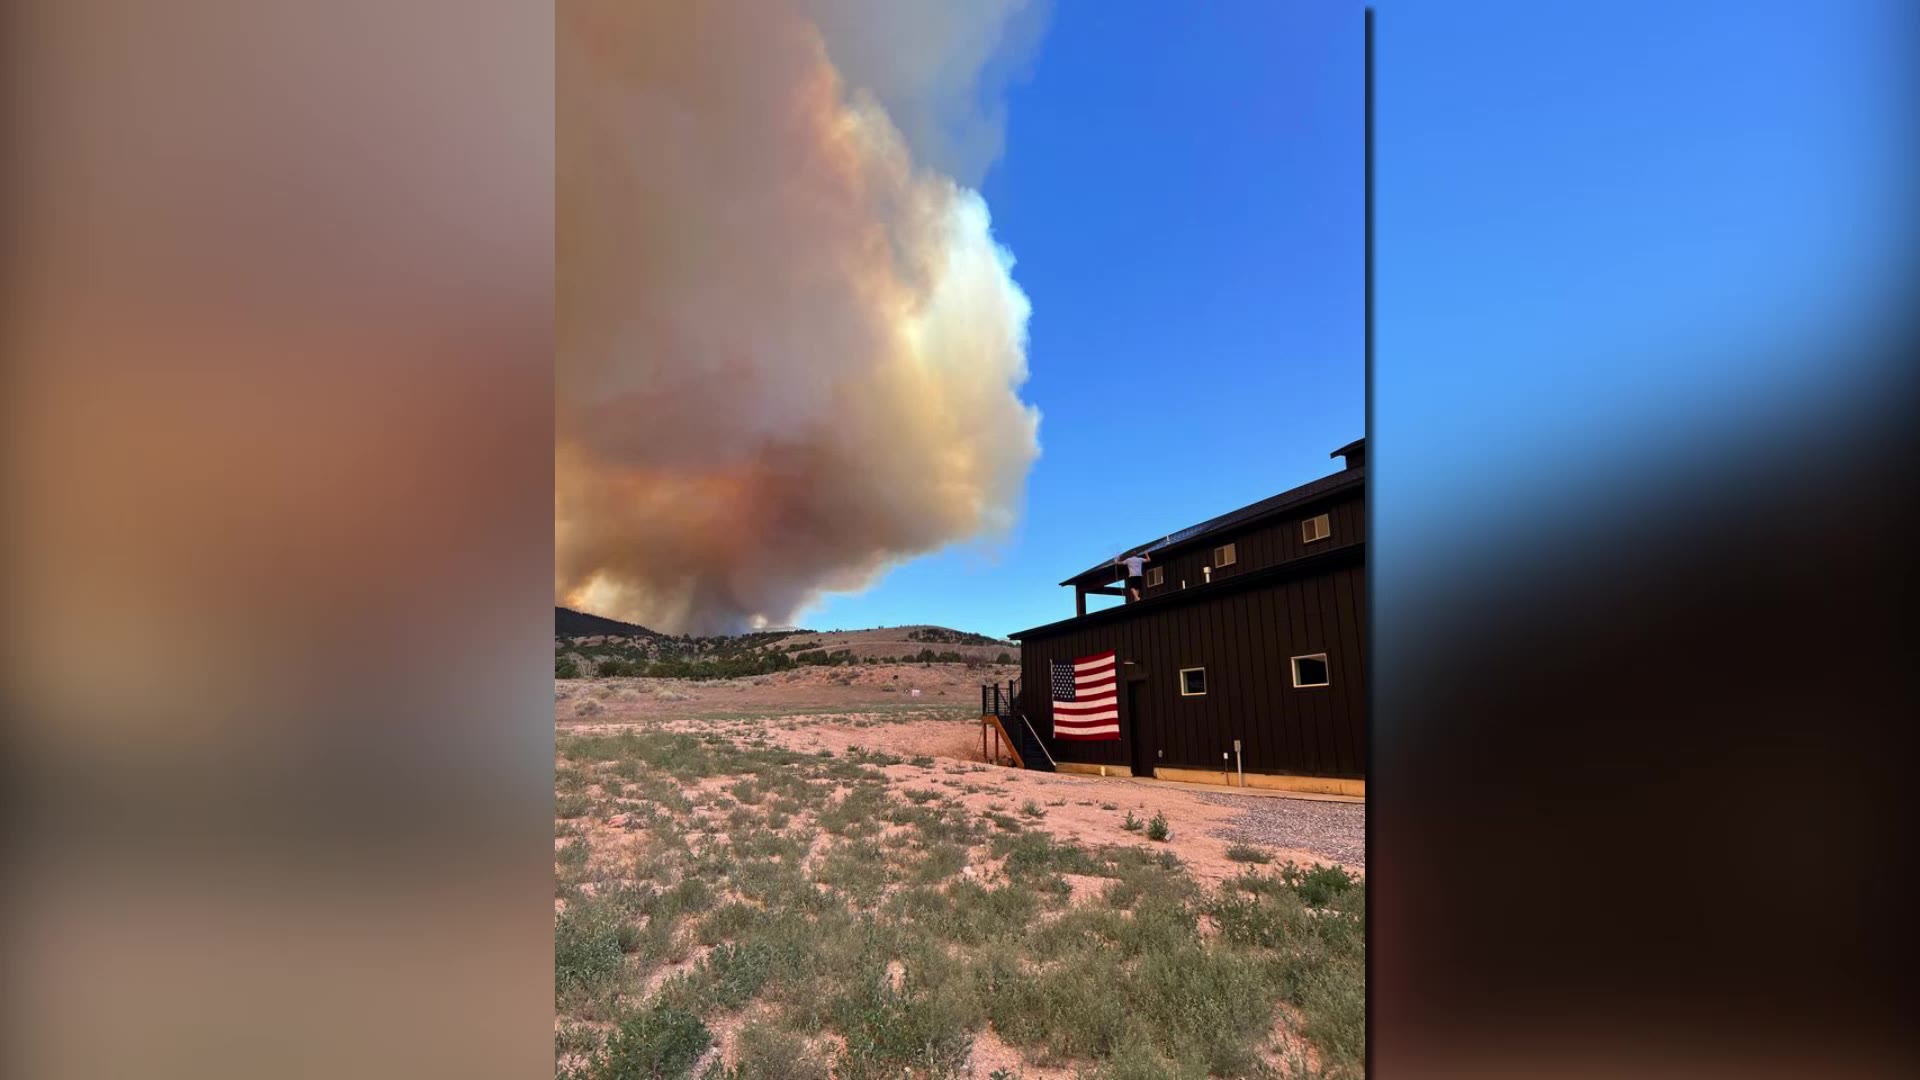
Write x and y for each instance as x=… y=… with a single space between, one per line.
x=1193 y=711
x=1328 y=586
x=1226 y=711
x=1221 y=705
x=1122 y=751
x=1274 y=739
x=1154 y=648
x=1353 y=632
x=1287 y=725
x=1303 y=701
x=1332 y=707
x=1323 y=724
x=1275 y=604
x=1217 y=706
x=1181 y=723
x=1322 y=711
x=1254 y=722
x=1247 y=663
x=1235 y=660
x=1276 y=747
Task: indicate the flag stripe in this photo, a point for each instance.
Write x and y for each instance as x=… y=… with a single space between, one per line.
x=1073 y=707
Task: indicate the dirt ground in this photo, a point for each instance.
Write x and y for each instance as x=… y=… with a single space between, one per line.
x=955 y=686
x=875 y=708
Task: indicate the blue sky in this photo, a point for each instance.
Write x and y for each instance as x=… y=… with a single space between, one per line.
x=1619 y=243
x=1182 y=189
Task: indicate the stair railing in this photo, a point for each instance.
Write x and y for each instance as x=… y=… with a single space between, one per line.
x=1040 y=742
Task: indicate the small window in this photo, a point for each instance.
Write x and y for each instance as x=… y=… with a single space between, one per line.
x=1193 y=682
x=1156 y=575
x=1225 y=555
x=1310 y=670
x=1314 y=528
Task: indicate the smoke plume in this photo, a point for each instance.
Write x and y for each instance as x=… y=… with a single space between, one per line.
x=788 y=349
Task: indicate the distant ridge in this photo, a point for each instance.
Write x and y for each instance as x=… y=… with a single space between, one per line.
x=570 y=623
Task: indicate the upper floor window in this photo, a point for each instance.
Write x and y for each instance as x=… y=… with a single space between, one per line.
x=1193 y=682
x=1315 y=528
x=1156 y=575
x=1225 y=555
x=1310 y=670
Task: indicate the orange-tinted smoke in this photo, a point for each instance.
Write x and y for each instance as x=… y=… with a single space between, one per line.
x=788 y=351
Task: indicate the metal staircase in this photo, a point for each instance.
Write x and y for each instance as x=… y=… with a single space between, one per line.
x=1000 y=714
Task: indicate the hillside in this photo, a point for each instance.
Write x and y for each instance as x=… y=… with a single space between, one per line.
x=588 y=645
x=569 y=623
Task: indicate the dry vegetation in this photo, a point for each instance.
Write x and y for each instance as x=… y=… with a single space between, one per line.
x=756 y=895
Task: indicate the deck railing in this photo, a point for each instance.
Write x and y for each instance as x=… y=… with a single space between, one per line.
x=1000 y=699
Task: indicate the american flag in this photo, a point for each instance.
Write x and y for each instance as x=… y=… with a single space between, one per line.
x=1086 y=703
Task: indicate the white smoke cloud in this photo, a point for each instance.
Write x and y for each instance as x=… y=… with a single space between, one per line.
x=788 y=350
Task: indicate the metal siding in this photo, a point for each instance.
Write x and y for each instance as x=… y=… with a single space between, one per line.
x=1351 y=673
x=1243 y=640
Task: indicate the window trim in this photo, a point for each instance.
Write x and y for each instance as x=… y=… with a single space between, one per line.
x=1307 y=522
x=1294 y=665
x=1155 y=577
x=1233 y=554
x=1203 y=682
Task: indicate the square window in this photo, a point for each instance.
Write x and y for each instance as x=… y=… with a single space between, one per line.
x=1310 y=670
x=1225 y=555
x=1193 y=682
x=1315 y=528
x=1156 y=575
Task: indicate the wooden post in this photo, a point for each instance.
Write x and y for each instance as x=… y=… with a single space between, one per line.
x=1079 y=600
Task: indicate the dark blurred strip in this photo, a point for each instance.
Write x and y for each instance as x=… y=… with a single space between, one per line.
x=277 y=423
x=1646 y=677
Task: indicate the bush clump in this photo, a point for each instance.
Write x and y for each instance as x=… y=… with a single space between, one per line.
x=1157 y=829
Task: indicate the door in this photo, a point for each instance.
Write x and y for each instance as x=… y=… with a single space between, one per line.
x=1139 y=732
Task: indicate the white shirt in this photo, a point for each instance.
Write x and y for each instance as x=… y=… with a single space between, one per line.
x=1135 y=565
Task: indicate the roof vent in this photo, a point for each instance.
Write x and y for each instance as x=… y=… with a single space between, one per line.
x=1355 y=452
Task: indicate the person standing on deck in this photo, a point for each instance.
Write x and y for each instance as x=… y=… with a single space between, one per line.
x=1136 y=573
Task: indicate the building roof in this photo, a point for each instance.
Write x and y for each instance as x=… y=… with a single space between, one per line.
x=1276 y=504
x=1334 y=558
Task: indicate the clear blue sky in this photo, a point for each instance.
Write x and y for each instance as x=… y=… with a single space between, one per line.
x=1612 y=238
x=1182 y=189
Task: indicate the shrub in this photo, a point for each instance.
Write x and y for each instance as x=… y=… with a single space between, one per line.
x=1319 y=885
x=1157 y=828
x=1131 y=824
x=564 y=667
x=1248 y=854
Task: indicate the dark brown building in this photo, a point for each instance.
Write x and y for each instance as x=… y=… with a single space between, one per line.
x=1251 y=630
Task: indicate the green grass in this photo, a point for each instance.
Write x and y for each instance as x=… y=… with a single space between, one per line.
x=661 y=1042
x=794 y=911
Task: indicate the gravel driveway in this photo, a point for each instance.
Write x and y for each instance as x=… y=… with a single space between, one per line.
x=1337 y=830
